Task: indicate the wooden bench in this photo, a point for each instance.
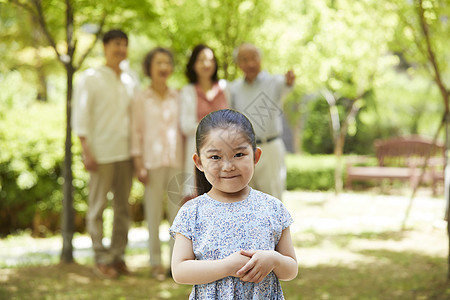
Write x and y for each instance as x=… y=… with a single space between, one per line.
x=401 y=158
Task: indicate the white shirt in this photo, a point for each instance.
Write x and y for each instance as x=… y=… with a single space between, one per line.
x=261 y=102
x=101 y=112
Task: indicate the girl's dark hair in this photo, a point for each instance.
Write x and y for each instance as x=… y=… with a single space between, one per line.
x=220 y=119
x=114 y=34
x=190 y=72
x=147 y=63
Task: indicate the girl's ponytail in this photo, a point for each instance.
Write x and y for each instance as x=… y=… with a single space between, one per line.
x=201 y=184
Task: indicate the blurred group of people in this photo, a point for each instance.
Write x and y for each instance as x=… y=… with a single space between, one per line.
x=150 y=134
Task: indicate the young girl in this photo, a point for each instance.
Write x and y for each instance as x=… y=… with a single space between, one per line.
x=156 y=147
x=231 y=242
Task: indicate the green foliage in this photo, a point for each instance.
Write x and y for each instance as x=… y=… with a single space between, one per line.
x=220 y=24
x=345 y=47
x=30 y=165
x=411 y=104
x=409 y=41
x=317 y=131
x=310 y=172
x=31 y=171
x=400 y=105
x=10 y=85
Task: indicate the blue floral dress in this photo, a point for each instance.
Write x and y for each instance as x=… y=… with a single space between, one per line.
x=219 y=229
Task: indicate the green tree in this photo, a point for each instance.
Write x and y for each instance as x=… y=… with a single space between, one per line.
x=422 y=39
x=222 y=24
x=61 y=23
x=23 y=48
x=340 y=50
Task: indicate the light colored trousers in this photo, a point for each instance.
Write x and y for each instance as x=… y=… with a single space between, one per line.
x=270 y=172
x=116 y=178
x=156 y=201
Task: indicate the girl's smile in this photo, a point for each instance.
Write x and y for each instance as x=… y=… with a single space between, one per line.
x=228 y=161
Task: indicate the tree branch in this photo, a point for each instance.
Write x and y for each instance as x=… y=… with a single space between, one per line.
x=416 y=41
x=432 y=57
x=97 y=36
x=40 y=16
x=24 y=6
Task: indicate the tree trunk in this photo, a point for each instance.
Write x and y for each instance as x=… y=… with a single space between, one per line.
x=447 y=185
x=340 y=143
x=40 y=71
x=42 y=81
x=338 y=150
x=68 y=213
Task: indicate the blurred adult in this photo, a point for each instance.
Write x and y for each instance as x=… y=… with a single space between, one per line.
x=101 y=119
x=204 y=93
x=157 y=148
x=259 y=96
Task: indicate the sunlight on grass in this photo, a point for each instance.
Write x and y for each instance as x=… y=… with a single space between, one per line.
x=348 y=247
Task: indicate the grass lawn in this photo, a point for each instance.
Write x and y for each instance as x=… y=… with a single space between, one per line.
x=348 y=247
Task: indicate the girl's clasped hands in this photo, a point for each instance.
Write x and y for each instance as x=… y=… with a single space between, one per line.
x=258 y=264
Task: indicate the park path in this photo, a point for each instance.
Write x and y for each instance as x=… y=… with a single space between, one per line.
x=320 y=212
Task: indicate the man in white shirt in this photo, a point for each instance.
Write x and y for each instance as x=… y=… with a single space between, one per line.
x=101 y=119
x=259 y=96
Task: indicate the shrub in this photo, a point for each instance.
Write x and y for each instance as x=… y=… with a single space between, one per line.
x=30 y=165
x=31 y=178
x=310 y=172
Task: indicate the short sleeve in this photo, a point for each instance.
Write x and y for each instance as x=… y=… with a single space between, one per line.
x=81 y=103
x=285 y=217
x=280 y=213
x=184 y=222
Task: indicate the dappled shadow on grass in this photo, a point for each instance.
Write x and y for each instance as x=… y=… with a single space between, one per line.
x=393 y=275
x=313 y=239
x=74 y=281
x=389 y=275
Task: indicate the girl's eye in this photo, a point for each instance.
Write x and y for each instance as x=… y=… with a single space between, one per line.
x=239 y=155
x=215 y=157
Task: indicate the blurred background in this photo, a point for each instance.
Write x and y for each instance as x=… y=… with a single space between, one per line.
x=364 y=70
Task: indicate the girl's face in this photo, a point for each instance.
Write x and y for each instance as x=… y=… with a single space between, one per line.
x=161 y=67
x=205 y=66
x=228 y=161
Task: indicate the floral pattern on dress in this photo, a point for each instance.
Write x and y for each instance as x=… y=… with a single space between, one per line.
x=218 y=229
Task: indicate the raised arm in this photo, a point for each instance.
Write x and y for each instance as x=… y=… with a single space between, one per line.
x=286 y=84
x=187 y=270
x=282 y=261
x=290 y=77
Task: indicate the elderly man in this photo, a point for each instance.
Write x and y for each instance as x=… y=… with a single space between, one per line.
x=259 y=96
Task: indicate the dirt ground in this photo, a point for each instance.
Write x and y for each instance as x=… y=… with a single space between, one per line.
x=348 y=247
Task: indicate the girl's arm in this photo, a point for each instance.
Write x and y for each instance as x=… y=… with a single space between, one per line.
x=282 y=261
x=187 y=270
